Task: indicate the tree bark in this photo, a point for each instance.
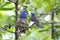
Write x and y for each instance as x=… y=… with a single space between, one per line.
x=16 y=12
x=53 y=32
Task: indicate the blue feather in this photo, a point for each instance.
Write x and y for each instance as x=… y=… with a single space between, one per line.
x=23 y=14
x=33 y=14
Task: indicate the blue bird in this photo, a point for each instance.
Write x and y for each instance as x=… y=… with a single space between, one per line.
x=35 y=19
x=23 y=14
x=22 y=21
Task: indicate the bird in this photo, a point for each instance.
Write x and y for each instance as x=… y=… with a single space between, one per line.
x=36 y=20
x=22 y=22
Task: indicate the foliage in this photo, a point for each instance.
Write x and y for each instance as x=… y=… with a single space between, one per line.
x=34 y=33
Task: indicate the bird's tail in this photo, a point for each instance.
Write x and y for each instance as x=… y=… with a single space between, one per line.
x=40 y=25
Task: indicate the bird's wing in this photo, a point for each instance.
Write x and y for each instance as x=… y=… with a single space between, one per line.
x=35 y=19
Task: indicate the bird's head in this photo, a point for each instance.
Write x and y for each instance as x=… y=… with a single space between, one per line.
x=33 y=14
x=23 y=14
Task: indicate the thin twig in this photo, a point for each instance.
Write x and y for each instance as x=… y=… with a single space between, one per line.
x=11 y=1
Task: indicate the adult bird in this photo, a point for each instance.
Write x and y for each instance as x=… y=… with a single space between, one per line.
x=36 y=20
x=22 y=22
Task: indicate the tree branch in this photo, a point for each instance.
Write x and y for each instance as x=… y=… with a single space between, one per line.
x=11 y=1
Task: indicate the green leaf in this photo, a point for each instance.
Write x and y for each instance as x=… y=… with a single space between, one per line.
x=7 y=3
x=6 y=9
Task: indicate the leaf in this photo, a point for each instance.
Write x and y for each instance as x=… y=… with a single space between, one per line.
x=7 y=3
x=57 y=26
x=6 y=9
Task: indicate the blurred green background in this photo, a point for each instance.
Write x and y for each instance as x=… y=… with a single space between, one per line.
x=43 y=10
